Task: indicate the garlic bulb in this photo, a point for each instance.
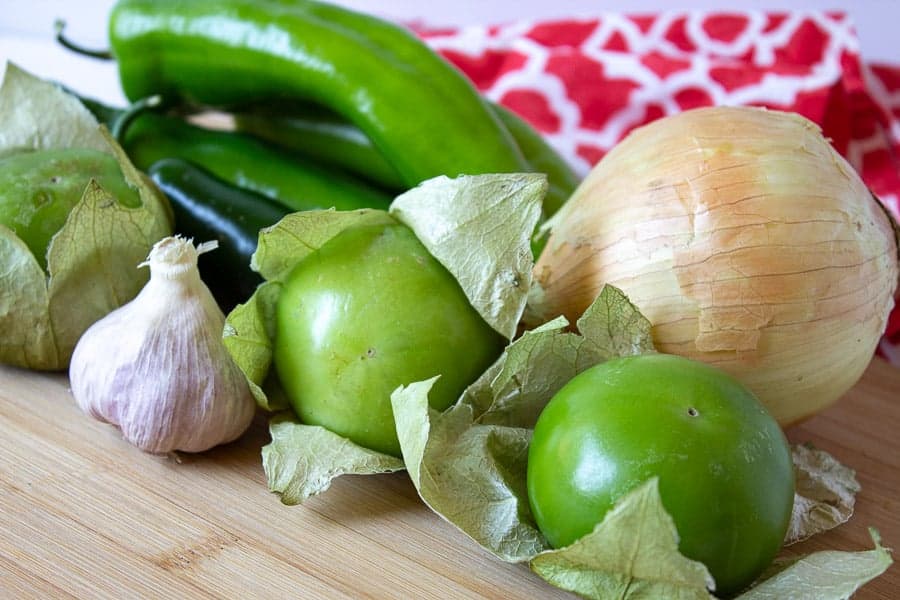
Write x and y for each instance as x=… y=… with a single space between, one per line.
x=745 y=239
x=157 y=368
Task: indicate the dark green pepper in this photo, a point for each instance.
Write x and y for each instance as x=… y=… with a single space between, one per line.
x=422 y=114
x=207 y=208
x=297 y=183
x=242 y=160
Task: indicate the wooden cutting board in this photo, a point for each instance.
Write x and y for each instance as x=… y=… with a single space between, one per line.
x=83 y=514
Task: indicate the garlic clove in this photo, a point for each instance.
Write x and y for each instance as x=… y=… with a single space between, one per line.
x=157 y=368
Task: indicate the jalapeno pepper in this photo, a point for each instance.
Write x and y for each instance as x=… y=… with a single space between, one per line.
x=207 y=208
x=422 y=114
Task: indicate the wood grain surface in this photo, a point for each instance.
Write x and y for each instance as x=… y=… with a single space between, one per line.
x=85 y=515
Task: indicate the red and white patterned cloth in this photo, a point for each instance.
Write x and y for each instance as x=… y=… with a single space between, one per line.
x=586 y=82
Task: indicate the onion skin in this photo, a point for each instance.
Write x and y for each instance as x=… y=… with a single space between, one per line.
x=745 y=239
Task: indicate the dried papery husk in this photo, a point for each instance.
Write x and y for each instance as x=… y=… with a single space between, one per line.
x=745 y=239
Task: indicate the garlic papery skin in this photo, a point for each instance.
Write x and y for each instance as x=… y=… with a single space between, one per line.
x=745 y=239
x=157 y=368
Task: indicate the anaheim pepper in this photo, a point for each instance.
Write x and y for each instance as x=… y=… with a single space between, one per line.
x=421 y=113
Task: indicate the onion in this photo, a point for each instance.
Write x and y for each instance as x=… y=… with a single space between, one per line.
x=745 y=239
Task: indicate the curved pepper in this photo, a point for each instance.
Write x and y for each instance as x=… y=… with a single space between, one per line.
x=207 y=208
x=320 y=134
x=241 y=160
x=422 y=114
x=248 y=163
x=315 y=132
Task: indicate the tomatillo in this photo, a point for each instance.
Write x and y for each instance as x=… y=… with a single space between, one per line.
x=38 y=189
x=367 y=312
x=724 y=466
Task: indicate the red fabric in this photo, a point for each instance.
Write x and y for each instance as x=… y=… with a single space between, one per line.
x=585 y=83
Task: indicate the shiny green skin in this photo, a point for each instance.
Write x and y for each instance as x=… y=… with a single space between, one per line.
x=39 y=188
x=295 y=182
x=322 y=135
x=421 y=113
x=245 y=162
x=369 y=311
x=724 y=466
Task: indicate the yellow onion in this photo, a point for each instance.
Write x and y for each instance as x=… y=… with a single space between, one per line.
x=745 y=239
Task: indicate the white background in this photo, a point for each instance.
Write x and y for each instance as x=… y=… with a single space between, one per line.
x=26 y=27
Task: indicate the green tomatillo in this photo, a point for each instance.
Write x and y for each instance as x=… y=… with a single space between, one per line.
x=367 y=312
x=39 y=188
x=724 y=467
x=76 y=218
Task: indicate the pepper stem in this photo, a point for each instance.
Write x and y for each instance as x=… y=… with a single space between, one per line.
x=123 y=121
x=59 y=26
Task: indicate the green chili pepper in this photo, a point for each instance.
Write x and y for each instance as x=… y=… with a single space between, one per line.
x=207 y=208
x=243 y=161
x=538 y=155
x=319 y=133
x=322 y=135
x=421 y=113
